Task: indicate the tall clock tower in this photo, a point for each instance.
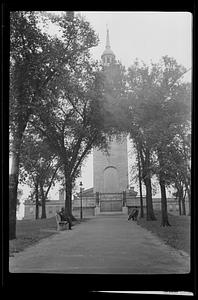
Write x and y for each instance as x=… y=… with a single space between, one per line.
x=110 y=171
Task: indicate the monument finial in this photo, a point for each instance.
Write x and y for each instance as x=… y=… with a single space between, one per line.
x=107 y=39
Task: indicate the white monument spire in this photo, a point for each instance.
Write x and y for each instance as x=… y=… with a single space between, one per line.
x=108 y=56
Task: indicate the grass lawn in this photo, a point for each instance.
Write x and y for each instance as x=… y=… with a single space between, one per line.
x=29 y=232
x=177 y=235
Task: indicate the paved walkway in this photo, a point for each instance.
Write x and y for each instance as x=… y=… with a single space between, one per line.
x=102 y=244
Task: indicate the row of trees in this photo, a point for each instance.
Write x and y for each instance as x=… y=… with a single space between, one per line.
x=155 y=108
x=62 y=104
x=160 y=127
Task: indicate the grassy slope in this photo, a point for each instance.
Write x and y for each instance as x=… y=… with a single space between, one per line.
x=30 y=231
x=177 y=235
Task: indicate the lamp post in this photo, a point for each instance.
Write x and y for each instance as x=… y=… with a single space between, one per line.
x=81 y=208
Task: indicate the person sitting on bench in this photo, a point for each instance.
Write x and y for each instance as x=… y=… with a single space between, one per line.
x=133 y=215
x=64 y=217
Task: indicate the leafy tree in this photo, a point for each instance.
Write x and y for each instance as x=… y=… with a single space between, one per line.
x=178 y=165
x=38 y=168
x=172 y=112
x=139 y=120
x=74 y=126
x=183 y=159
x=26 y=52
x=37 y=61
x=71 y=117
x=160 y=105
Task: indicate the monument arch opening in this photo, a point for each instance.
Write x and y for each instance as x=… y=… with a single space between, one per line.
x=111 y=180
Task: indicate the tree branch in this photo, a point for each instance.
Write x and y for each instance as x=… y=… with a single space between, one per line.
x=89 y=145
x=58 y=166
x=74 y=106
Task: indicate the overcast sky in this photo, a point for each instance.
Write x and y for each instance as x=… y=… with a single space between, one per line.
x=144 y=35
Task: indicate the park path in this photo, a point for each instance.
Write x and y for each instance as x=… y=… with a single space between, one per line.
x=100 y=245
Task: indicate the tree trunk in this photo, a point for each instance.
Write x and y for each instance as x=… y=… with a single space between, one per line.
x=13 y=186
x=188 y=190
x=164 y=221
x=179 y=203
x=149 y=201
x=189 y=201
x=164 y=212
x=21 y=123
x=187 y=187
x=140 y=187
x=71 y=215
x=13 y=183
x=68 y=196
x=141 y=203
x=43 y=202
x=183 y=207
x=68 y=189
x=37 y=201
x=180 y=198
x=147 y=181
x=178 y=195
x=183 y=202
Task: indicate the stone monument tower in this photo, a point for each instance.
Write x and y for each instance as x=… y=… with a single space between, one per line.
x=110 y=172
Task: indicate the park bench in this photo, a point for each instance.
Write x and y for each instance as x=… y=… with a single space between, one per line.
x=61 y=225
